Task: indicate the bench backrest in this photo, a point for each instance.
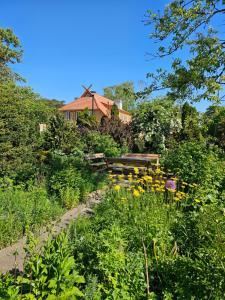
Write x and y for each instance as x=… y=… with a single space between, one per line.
x=129 y=161
x=139 y=155
x=95 y=156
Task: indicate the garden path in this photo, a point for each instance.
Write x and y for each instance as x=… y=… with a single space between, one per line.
x=7 y=257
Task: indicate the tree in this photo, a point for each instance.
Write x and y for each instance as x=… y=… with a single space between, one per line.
x=61 y=135
x=10 y=53
x=187 y=25
x=119 y=131
x=155 y=124
x=191 y=123
x=124 y=92
x=214 y=118
x=21 y=111
x=115 y=111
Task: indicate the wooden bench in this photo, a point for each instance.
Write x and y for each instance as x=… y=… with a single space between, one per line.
x=127 y=165
x=96 y=160
x=152 y=157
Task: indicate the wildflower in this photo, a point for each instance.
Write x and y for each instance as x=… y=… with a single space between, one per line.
x=174 y=178
x=136 y=193
x=141 y=190
x=177 y=198
x=170 y=184
x=171 y=190
x=157 y=171
x=117 y=188
x=197 y=200
x=184 y=183
x=120 y=177
x=136 y=171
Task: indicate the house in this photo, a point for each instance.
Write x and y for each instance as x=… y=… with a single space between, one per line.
x=97 y=105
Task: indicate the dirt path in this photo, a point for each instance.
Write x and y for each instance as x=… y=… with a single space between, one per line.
x=7 y=257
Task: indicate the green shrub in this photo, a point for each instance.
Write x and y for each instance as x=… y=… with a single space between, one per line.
x=50 y=275
x=68 y=185
x=70 y=196
x=20 y=209
x=197 y=163
x=102 y=143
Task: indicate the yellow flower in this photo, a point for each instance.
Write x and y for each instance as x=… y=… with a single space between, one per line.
x=197 y=200
x=157 y=171
x=141 y=190
x=117 y=188
x=120 y=177
x=171 y=190
x=136 y=193
x=136 y=171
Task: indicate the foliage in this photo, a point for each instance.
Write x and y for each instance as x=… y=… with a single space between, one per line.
x=21 y=111
x=24 y=209
x=119 y=131
x=10 y=53
x=69 y=186
x=61 y=135
x=178 y=244
x=124 y=92
x=214 y=119
x=86 y=119
x=115 y=111
x=49 y=275
x=188 y=26
x=196 y=162
x=101 y=143
x=155 y=123
x=191 y=123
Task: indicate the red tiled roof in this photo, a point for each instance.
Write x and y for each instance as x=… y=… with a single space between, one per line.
x=85 y=101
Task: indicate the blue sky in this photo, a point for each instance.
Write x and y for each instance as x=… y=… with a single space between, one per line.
x=68 y=43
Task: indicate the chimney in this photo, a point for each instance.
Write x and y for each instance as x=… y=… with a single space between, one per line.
x=119 y=103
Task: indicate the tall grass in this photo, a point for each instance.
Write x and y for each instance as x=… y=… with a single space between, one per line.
x=21 y=209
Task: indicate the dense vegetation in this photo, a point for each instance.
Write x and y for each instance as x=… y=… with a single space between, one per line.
x=146 y=241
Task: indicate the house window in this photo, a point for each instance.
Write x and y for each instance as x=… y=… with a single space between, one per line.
x=68 y=115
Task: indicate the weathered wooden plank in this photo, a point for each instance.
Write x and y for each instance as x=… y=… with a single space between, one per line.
x=129 y=160
x=95 y=156
x=151 y=156
x=144 y=155
x=98 y=164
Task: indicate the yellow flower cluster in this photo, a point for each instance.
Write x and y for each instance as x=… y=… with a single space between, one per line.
x=179 y=196
x=152 y=181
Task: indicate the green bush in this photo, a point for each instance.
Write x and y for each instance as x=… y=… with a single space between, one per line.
x=50 y=275
x=101 y=143
x=195 y=162
x=20 y=209
x=69 y=186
